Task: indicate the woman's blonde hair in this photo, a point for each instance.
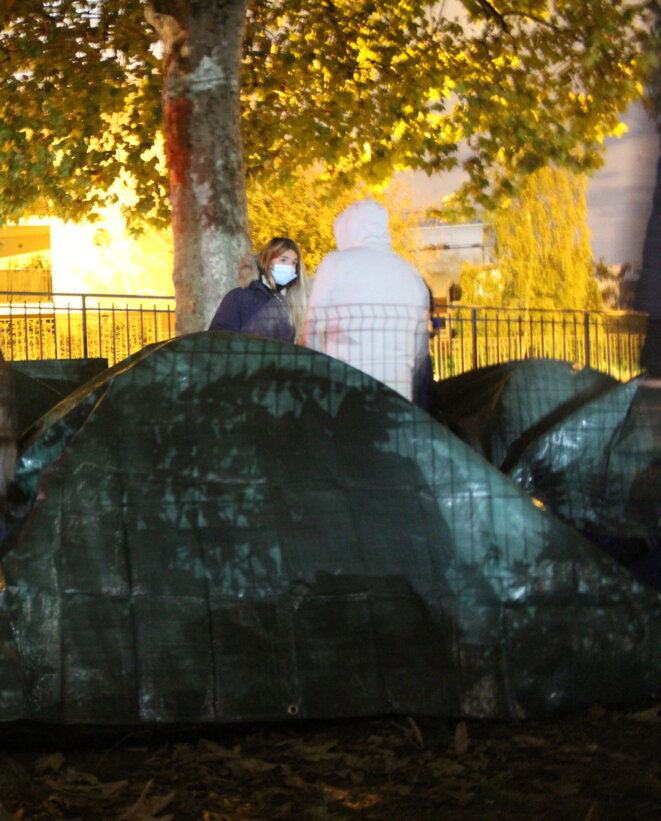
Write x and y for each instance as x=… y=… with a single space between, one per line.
x=296 y=293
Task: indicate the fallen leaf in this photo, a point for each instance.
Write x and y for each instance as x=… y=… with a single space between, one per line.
x=111 y=788
x=461 y=741
x=443 y=767
x=529 y=741
x=52 y=762
x=416 y=733
x=215 y=752
x=251 y=765
x=146 y=809
x=354 y=762
x=593 y=813
x=652 y=714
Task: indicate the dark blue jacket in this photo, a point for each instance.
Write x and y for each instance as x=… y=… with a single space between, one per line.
x=254 y=310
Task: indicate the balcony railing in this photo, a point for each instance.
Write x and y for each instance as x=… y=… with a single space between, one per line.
x=39 y=325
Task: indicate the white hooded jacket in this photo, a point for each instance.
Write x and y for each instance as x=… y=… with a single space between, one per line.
x=368 y=305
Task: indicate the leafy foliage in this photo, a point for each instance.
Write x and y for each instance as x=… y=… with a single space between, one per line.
x=481 y=284
x=301 y=210
x=360 y=87
x=542 y=256
x=304 y=211
x=616 y=284
x=540 y=82
x=79 y=104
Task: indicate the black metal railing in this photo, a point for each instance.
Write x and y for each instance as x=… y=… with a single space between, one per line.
x=72 y=326
x=473 y=337
x=39 y=325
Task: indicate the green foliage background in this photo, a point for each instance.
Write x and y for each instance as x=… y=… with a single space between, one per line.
x=304 y=211
x=358 y=87
x=541 y=254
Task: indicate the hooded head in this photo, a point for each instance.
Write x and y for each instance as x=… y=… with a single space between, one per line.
x=364 y=222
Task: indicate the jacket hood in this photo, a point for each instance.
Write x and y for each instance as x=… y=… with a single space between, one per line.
x=364 y=222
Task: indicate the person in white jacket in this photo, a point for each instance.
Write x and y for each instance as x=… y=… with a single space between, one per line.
x=368 y=305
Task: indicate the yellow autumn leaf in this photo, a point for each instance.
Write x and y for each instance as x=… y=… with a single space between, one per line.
x=398 y=131
x=619 y=130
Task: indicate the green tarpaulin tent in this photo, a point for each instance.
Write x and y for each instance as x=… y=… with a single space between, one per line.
x=228 y=528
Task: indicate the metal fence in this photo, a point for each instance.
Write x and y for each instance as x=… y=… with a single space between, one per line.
x=468 y=338
x=73 y=326
x=113 y=326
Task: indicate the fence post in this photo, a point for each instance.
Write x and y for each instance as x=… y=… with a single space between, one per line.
x=84 y=308
x=586 y=338
x=474 y=333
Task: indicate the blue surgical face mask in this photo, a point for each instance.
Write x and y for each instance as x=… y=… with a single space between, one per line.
x=283 y=274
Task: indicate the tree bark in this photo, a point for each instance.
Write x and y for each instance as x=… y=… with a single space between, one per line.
x=202 y=45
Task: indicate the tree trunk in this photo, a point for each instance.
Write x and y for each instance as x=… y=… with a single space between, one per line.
x=202 y=44
x=648 y=295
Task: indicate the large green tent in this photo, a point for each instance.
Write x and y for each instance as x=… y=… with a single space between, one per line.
x=226 y=528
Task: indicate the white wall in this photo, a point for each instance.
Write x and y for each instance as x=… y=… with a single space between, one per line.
x=620 y=194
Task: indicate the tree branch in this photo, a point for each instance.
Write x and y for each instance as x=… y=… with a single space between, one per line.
x=501 y=17
x=534 y=17
x=491 y=11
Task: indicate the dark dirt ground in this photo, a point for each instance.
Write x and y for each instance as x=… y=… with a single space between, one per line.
x=597 y=765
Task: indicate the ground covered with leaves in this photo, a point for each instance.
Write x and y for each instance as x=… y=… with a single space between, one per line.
x=594 y=766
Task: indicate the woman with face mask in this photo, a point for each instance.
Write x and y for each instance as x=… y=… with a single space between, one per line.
x=274 y=304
